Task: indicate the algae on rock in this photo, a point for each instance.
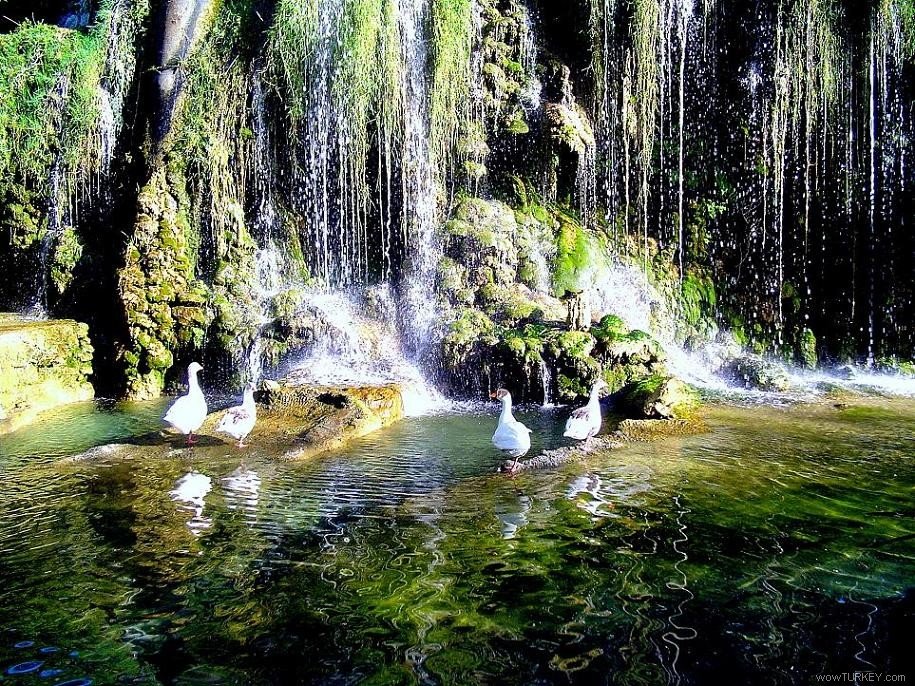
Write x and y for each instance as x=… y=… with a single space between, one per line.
x=43 y=364
x=164 y=305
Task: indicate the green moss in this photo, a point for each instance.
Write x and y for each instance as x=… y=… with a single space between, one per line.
x=507 y=304
x=452 y=24
x=287 y=303
x=469 y=328
x=573 y=344
x=649 y=385
x=661 y=396
x=159 y=294
x=698 y=298
x=35 y=61
x=475 y=170
x=573 y=259
x=791 y=299
x=516 y=125
x=610 y=328
x=67 y=252
x=569 y=127
x=525 y=344
x=21 y=217
x=42 y=364
x=896 y=365
x=571 y=388
x=51 y=108
x=807 y=349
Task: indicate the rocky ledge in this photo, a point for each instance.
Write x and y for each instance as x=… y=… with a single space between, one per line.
x=293 y=423
x=311 y=420
x=43 y=364
x=628 y=431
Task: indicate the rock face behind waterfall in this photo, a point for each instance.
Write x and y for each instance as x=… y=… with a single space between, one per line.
x=175 y=173
x=180 y=24
x=503 y=270
x=43 y=364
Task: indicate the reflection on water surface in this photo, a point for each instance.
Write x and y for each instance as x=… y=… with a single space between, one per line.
x=775 y=548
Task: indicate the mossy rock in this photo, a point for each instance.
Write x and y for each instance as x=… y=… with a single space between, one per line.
x=636 y=347
x=21 y=216
x=516 y=125
x=807 y=350
x=508 y=304
x=313 y=420
x=569 y=127
x=573 y=344
x=609 y=329
x=895 y=365
x=43 y=364
x=287 y=303
x=158 y=275
x=573 y=263
x=659 y=397
x=755 y=372
x=66 y=253
x=469 y=329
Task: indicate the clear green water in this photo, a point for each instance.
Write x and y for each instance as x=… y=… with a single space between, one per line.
x=775 y=548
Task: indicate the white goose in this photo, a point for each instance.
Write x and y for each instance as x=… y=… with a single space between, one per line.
x=238 y=421
x=584 y=423
x=189 y=411
x=511 y=436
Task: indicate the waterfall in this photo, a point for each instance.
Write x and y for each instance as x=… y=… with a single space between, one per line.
x=685 y=15
x=270 y=283
x=872 y=214
x=546 y=381
x=356 y=342
x=531 y=95
x=58 y=212
x=315 y=195
x=420 y=186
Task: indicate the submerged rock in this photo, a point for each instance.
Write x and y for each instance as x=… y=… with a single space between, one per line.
x=43 y=364
x=645 y=430
x=549 y=459
x=629 y=431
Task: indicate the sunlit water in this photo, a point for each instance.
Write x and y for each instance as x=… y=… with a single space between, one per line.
x=775 y=548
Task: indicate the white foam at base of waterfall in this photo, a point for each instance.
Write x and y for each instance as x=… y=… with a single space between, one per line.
x=624 y=290
x=360 y=346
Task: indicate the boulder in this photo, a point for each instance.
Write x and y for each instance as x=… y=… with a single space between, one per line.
x=310 y=420
x=659 y=397
x=43 y=364
x=756 y=372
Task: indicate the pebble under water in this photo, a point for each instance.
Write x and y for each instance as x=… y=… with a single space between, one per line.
x=778 y=547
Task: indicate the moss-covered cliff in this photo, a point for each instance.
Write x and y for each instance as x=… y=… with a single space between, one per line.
x=177 y=174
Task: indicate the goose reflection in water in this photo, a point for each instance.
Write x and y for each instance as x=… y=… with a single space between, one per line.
x=606 y=491
x=514 y=515
x=191 y=489
x=242 y=489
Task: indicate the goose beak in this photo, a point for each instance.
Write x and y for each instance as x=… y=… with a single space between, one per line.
x=494 y=395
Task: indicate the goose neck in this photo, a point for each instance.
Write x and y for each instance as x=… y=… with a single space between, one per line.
x=506 y=410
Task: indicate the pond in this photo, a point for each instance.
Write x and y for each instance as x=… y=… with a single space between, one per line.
x=777 y=547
